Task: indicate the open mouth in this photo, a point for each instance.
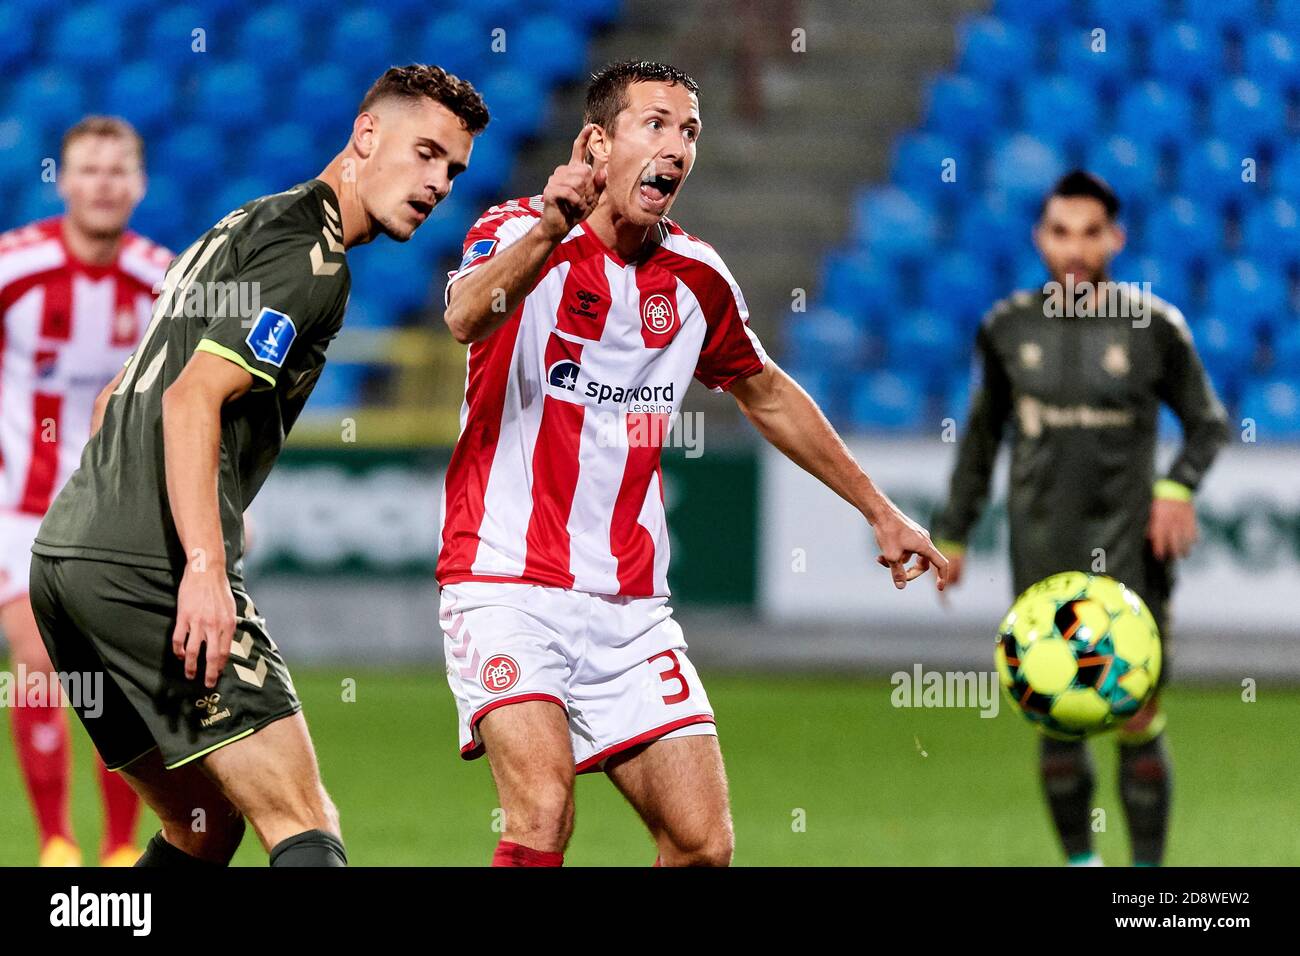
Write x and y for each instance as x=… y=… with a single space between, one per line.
x=657 y=187
x=421 y=208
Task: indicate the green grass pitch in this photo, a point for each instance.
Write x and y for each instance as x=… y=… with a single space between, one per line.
x=824 y=771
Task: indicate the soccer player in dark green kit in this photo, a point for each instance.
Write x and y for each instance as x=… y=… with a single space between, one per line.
x=1080 y=381
x=137 y=568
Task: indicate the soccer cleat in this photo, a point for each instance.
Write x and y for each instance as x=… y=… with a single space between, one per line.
x=123 y=856
x=1085 y=859
x=60 y=851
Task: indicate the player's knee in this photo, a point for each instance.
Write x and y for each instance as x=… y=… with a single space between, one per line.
x=214 y=837
x=545 y=817
x=712 y=847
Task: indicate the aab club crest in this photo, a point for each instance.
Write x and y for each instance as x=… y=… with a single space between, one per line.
x=658 y=314
x=499 y=674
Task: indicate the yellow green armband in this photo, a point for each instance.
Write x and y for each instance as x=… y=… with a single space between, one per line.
x=950 y=549
x=1167 y=490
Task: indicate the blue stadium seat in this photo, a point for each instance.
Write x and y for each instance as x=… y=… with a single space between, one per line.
x=548 y=46
x=1028 y=271
x=1168 y=427
x=1059 y=108
x=955 y=400
x=227 y=94
x=1155 y=113
x=1129 y=165
x=1170 y=279
x=828 y=388
x=170 y=38
x=923 y=341
x=194 y=152
x=1248 y=113
x=1275 y=408
x=995 y=225
x=1080 y=54
x=1284 y=177
x=888 y=401
x=144 y=93
x=1116 y=15
x=489 y=167
x=962 y=107
x=16 y=36
x=1272 y=54
x=273 y=37
x=1227 y=347
x=1023 y=167
x=339 y=386
x=1211 y=170
x=1286 y=14
x=1250 y=292
x=517 y=102
x=855 y=284
x=825 y=336
x=156 y=217
x=90 y=36
x=959 y=286
x=21 y=151
x=235 y=193
x=40 y=202
x=458 y=43
x=52 y=98
x=363 y=38
x=997 y=50
x=1271 y=232
x=287 y=154
x=894 y=224
x=1035 y=12
x=326 y=98
x=1286 y=351
x=1234 y=15
x=919 y=162
x=1185 y=54
x=444 y=232
x=1181 y=229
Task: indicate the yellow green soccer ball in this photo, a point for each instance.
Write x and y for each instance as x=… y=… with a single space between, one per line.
x=1078 y=653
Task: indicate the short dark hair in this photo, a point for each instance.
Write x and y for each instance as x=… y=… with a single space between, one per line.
x=1080 y=182
x=424 y=79
x=112 y=126
x=607 y=93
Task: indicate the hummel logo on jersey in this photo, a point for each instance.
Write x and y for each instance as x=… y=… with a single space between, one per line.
x=477 y=251
x=586 y=300
x=563 y=374
x=272 y=334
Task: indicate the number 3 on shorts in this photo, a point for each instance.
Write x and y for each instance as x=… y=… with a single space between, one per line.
x=673 y=673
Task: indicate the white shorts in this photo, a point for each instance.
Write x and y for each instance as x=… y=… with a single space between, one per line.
x=616 y=665
x=17 y=532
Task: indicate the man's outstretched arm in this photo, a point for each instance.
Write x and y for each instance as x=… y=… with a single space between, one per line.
x=790 y=420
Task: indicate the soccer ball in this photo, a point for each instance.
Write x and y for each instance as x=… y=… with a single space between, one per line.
x=1078 y=653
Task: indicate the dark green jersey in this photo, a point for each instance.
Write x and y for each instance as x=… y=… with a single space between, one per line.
x=264 y=288
x=1081 y=395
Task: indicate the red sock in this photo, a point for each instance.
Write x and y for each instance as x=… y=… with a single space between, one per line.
x=41 y=739
x=121 y=809
x=516 y=854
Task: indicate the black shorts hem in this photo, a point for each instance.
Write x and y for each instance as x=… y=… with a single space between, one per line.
x=240 y=735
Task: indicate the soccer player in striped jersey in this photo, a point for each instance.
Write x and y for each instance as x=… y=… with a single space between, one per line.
x=76 y=291
x=587 y=312
x=137 y=569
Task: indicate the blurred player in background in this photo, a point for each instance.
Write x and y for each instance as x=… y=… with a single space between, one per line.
x=1082 y=392
x=587 y=312
x=138 y=566
x=76 y=291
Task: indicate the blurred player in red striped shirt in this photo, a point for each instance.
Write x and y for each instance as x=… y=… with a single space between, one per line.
x=76 y=291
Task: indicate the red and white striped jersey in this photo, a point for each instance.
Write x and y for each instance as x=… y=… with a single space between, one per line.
x=555 y=479
x=66 y=328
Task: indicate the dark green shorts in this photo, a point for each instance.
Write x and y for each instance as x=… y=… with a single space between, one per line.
x=116 y=620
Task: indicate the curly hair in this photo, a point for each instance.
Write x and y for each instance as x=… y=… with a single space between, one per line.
x=607 y=94
x=421 y=79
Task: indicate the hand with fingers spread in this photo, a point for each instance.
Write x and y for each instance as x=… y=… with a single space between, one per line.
x=205 y=617
x=573 y=190
x=900 y=539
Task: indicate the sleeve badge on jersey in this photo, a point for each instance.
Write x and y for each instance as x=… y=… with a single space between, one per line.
x=477 y=251
x=272 y=334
